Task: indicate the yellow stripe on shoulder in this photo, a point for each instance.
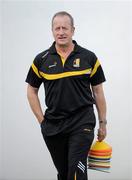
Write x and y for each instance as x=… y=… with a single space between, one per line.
x=35 y=69
x=97 y=64
x=65 y=74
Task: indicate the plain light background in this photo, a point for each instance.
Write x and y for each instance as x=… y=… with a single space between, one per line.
x=103 y=27
x=0 y=93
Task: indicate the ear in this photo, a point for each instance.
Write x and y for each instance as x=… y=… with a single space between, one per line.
x=73 y=30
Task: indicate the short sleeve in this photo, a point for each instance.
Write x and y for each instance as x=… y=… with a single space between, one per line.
x=33 y=77
x=97 y=75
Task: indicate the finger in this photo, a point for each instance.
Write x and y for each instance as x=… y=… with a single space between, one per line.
x=101 y=136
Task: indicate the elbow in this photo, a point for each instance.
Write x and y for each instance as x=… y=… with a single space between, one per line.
x=31 y=91
x=28 y=94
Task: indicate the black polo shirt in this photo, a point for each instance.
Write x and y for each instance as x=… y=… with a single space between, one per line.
x=67 y=85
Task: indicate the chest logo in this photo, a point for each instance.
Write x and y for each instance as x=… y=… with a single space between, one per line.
x=76 y=62
x=53 y=65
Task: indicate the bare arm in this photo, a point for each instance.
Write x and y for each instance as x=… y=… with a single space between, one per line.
x=33 y=99
x=101 y=109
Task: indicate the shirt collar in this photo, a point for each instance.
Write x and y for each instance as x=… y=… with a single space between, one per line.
x=77 y=48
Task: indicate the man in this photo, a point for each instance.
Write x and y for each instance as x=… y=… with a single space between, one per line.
x=70 y=74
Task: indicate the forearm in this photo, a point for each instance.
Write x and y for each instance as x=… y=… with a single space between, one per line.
x=33 y=99
x=100 y=103
x=101 y=109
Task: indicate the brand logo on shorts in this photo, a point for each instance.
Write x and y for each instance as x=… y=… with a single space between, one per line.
x=81 y=166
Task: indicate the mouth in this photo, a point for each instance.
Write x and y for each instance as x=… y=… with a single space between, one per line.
x=61 y=38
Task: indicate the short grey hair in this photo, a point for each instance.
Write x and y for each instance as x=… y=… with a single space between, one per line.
x=63 y=13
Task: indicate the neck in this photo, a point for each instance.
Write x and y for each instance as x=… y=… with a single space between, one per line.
x=64 y=48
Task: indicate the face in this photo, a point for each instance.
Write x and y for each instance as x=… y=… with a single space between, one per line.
x=62 y=30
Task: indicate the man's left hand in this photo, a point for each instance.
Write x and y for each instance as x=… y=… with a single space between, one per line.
x=102 y=132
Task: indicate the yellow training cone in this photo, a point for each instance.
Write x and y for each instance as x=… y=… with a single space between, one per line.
x=101 y=146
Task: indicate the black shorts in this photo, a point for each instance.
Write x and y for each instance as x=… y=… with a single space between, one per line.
x=80 y=118
x=69 y=150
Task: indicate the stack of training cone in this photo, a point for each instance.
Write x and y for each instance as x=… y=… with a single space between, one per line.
x=99 y=156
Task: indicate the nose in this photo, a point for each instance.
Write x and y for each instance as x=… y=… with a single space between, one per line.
x=61 y=31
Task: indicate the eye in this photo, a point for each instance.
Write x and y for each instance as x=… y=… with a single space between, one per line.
x=64 y=28
x=57 y=28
